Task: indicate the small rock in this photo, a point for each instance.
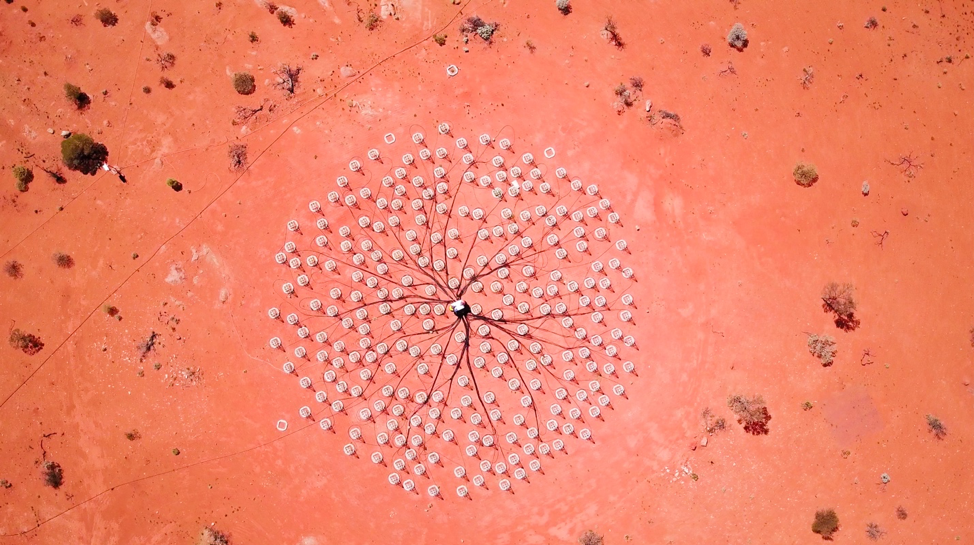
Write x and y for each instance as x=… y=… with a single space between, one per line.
x=314 y=56
x=865 y=189
x=649 y=105
x=50 y=131
x=347 y=71
x=466 y=50
x=587 y=84
x=65 y=134
x=703 y=442
x=784 y=49
x=839 y=25
x=905 y=212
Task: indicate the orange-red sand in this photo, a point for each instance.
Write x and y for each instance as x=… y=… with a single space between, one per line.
x=732 y=256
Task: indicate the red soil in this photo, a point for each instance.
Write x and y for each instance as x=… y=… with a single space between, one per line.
x=732 y=258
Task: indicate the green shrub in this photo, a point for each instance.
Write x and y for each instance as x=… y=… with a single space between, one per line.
x=174 y=184
x=243 y=83
x=826 y=523
x=805 y=174
x=80 y=152
x=107 y=17
x=74 y=93
x=24 y=176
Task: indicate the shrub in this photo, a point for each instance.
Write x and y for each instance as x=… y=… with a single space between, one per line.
x=901 y=513
x=440 y=39
x=752 y=413
x=822 y=347
x=110 y=310
x=238 y=156
x=28 y=343
x=174 y=184
x=212 y=536
x=826 y=523
x=74 y=93
x=53 y=475
x=530 y=46
x=737 y=37
x=871 y=23
x=807 y=406
x=287 y=78
x=243 y=83
x=166 y=61
x=253 y=37
x=590 y=538
x=475 y=24
x=107 y=17
x=372 y=21
x=564 y=6
x=838 y=300
x=80 y=152
x=873 y=531
x=712 y=424
x=285 y=18
x=706 y=50
x=808 y=75
x=63 y=260
x=805 y=174
x=167 y=83
x=14 y=269
x=146 y=89
x=24 y=177
x=936 y=427
x=611 y=33
x=133 y=435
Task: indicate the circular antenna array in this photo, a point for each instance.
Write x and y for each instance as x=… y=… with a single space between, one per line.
x=459 y=323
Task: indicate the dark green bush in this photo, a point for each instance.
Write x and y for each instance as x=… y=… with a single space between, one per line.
x=74 y=93
x=80 y=152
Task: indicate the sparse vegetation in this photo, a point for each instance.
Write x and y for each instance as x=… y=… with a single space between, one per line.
x=823 y=348
x=147 y=345
x=107 y=17
x=901 y=513
x=807 y=406
x=871 y=23
x=285 y=18
x=564 y=6
x=737 y=37
x=53 y=474
x=706 y=50
x=712 y=424
x=372 y=21
x=611 y=32
x=826 y=523
x=238 y=156
x=590 y=538
x=243 y=83
x=14 y=269
x=253 y=37
x=23 y=176
x=440 y=39
x=212 y=536
x=936 y=427
x=63 y=260
x=174 y=184
x=637 y=83
x=80 y=99
x=287 y=78
x=475 y=24
x=751 y=413
x=873 y=531
x=28 y=343
x=838 y=299
x=133 y=435
x=808 y=74
x=81 y=153
x=624 y=95
x=530 y=46
x=166 y=61
x=805 y=174
x=672 y=119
